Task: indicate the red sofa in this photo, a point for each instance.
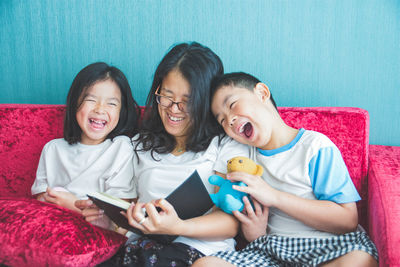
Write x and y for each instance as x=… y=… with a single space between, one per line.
x=33 y=233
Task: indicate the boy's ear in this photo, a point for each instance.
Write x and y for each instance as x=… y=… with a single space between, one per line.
x=262 y=91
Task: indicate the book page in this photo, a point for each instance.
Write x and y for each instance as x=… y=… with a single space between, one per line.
x=110 y=199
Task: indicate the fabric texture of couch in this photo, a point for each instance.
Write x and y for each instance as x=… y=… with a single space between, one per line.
x=33 y=233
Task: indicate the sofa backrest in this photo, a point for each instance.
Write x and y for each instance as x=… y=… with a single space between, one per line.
x=25 y=128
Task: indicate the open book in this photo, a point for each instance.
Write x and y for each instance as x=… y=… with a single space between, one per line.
x=190 y=199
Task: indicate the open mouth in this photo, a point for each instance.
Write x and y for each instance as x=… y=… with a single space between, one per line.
x=246 y=130
x=175 y=119
x=97 y=123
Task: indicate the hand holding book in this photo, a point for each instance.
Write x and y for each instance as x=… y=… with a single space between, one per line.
x=189 y=200
x=159 y=217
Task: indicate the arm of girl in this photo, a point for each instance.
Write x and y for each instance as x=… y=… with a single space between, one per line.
x=61 y=198
x=216 y=225
x=320 y=214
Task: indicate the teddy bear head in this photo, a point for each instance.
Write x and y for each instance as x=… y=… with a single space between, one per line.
x=243 y=164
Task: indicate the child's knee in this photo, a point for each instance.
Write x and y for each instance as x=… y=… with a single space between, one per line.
x=355 y=258
x=210 y=261
x=361 y=259
x=202 y=262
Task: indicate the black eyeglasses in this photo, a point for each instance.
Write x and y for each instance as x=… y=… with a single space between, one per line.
x=167 y=102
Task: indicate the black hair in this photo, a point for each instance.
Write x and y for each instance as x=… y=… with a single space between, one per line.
x=87 y=77
x=236 y=79
x=199 y=65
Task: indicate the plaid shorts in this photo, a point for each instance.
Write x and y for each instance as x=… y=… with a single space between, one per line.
x=273 y=250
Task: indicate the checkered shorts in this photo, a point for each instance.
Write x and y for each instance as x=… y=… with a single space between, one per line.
x=272 y=250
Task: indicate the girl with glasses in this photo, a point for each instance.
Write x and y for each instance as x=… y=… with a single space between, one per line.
x=178 y=135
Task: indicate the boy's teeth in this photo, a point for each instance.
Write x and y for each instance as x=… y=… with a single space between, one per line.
x=241 y=128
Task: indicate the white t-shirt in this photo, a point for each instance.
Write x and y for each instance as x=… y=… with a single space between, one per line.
x=310 y=167
x=156 y=179
x=81 y=169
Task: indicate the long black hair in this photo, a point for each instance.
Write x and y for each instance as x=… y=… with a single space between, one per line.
x=87 y=77
x=199 y=65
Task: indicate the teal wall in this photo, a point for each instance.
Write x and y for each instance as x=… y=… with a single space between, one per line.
x=310 y=52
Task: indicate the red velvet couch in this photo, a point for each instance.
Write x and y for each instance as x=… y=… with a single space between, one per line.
x=33 y=233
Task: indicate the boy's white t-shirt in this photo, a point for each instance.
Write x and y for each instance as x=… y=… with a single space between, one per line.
x=156 y=179
x=81 y=169
x=311 y=167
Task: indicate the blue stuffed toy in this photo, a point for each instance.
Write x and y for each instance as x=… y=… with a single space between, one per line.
x=227 y=198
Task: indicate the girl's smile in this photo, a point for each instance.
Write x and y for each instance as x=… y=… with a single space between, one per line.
x=175 y=119
x=98 y=113
x=97 y=123
x=176 y=88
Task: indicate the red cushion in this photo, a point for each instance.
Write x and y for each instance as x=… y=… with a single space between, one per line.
x=24 y=130
x=34 y=233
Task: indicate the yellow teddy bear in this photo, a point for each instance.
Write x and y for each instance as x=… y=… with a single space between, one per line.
x=227 y=198
x=243 y=164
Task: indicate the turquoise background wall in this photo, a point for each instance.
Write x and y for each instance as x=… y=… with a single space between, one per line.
x=309 y=52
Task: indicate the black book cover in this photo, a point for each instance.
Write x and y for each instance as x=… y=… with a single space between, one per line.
x=190 y=199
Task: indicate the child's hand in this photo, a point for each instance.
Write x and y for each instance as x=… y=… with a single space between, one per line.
x=164 y=222
x=89 y=210
x=253 y=222
x=61 y=198
x=256 y=187
x=40 y=197
x=94 y=215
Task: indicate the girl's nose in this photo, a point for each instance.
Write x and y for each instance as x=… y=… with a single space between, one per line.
x=174 y=108
x=99 y=108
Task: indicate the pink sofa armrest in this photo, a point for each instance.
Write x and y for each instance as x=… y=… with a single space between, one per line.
x=384 y=202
